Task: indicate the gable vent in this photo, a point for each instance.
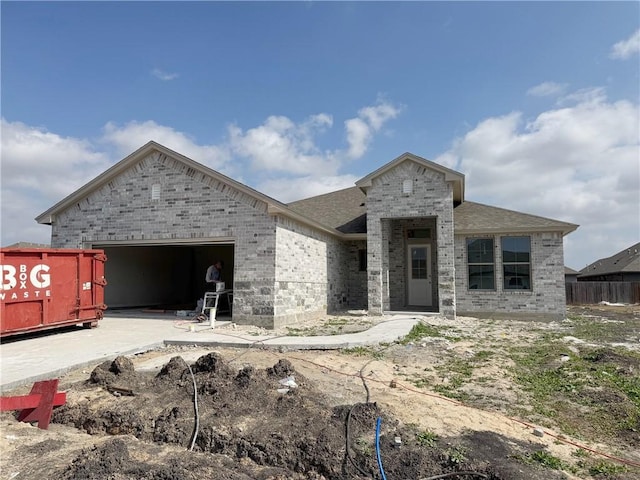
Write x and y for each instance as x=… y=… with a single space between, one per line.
x=407 y=187
x=155 y=191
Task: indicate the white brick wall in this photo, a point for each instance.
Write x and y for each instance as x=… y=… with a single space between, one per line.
x=285 y=271
x=312 y=273
x=547 y=297
x=431 y=200
x=191 y=206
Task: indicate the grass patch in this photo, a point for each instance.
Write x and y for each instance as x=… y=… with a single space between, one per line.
x=458 y=373
x=456 y=455
x=300 y=332
x=545 y=459
x=427 y=438
x=594 y=394
x=361 y=351
x=606 y=468
x=420 y=331
x=423 y=330
x=599 y=329
x=334 y=322
x=363 y=446
x=420 y=382
x=451 y=391
x=482 y=355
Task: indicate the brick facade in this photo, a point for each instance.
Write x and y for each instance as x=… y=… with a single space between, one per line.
x=287 y=268
x=191 y=206
x=432 y=201
x=546 y=299
x=312 y=273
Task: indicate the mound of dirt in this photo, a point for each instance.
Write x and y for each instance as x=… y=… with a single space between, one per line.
x=269 y=423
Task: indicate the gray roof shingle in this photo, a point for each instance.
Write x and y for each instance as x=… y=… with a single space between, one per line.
x=345 y=210
x=627 y=261
x=472 y=217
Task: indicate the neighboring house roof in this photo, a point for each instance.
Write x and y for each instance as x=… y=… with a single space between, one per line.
x=344 y=210
x=625 y=261
x=456 y=178
x=569 y=271
x=473 y=218
x=28 y=245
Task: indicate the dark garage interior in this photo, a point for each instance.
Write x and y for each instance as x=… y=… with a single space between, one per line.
x=161 y=276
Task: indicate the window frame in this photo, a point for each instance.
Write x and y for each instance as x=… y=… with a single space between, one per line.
x=471 y=264
x=516 y=265
x=362 y=259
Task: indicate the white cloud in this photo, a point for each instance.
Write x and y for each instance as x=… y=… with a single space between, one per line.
x=32 y=157
x=279 y=144
x=38 y=169
x=584 y=95
x=358 y=136
x=626 y=48
x=164 y=76
x=579 y=164
x=546 y=89
x=360 y=130
x=128 y=138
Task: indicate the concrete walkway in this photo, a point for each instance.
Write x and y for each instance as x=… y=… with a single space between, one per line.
x=28 y=358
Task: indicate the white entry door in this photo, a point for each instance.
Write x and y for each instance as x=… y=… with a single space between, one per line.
x=419 y=281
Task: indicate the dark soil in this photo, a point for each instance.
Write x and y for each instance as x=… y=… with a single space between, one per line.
x=248 y=429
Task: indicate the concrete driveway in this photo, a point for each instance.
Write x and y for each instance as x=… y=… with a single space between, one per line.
x=28 y=358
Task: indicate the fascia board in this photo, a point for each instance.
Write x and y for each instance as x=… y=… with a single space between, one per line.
x=565 y=230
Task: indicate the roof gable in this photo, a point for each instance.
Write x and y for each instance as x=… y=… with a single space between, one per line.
x=133 y=159
x=456 y=178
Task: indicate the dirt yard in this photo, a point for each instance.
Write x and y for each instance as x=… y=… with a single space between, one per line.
x=470 y=399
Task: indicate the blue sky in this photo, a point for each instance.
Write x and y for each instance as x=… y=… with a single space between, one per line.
x=536 y=103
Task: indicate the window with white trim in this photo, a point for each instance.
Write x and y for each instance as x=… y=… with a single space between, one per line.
x=481 y=264
x=516 y=263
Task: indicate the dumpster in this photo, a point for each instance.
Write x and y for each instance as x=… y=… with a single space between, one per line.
x=48 y=288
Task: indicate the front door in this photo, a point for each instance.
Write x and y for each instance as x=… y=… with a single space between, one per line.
x=419 y=281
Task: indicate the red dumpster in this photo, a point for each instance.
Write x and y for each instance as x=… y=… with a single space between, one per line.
x=48 y=288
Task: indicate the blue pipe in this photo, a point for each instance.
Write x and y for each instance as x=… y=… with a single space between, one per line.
x=384 y=477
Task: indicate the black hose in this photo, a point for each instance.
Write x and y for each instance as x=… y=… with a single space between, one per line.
x=347 y=436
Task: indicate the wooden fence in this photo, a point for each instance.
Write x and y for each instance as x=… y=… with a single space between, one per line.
x=585 y=293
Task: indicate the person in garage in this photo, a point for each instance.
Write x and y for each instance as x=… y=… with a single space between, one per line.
x=214 y=275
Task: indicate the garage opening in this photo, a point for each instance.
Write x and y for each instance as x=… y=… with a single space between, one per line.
x=169 y=277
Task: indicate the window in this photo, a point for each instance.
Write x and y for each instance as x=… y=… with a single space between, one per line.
x=362 y=260
x=419 y=263
x=481 y=264
x=419 y=233
x=516 y=263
